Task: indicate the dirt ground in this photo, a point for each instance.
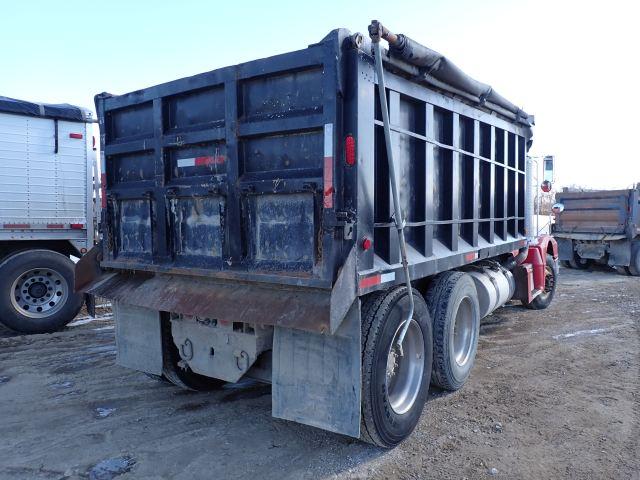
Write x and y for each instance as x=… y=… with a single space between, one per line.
x=554 y=394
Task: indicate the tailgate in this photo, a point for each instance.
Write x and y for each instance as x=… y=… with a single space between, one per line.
x=223 y=173
x=593 y=212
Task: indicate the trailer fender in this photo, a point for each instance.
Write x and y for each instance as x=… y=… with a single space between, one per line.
x=537 y=257
x=316 y=377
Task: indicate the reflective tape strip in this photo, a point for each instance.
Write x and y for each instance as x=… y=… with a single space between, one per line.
x=387 y=277
x=16 y=225
x=470 y=257
x=328 y=166
x=377 y=279
x=55 y=225
x=199 y=161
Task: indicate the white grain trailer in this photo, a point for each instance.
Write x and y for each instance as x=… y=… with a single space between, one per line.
x=47 y=204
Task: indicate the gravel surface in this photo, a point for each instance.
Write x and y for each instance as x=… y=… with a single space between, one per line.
x=554 y=394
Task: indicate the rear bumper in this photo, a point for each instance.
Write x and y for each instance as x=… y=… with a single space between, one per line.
x=320 y=310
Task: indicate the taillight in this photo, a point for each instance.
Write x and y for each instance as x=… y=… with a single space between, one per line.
x=75 y=135
x=366 y=243
x=350 y=150
x=77 y=226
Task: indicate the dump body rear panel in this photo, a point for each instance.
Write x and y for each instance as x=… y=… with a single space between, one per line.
x=239 y=174
x=223 y=173
x=607 y=214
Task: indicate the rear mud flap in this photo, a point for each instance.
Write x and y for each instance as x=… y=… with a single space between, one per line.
x=316 y=378
x=138 y=338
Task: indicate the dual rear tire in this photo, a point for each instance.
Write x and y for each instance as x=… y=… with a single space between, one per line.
x=439 y=348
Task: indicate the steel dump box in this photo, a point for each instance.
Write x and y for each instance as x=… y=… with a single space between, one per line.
x=240 y=176
x=604 y=213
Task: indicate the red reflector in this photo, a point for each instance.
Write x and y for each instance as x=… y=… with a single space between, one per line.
x=350 y=150
x=103 y=190
x=75 y=135
x=55 y=225
x=77 y=226
x=469 y=257
x=366 y=243
x=16 y=225
x=370 y=281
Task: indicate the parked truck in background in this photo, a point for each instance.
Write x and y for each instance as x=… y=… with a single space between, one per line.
x=261 y=219
x=47 y=163
x=600 y=226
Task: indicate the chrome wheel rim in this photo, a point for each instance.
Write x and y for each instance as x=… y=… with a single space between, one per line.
x=39 y=292
x=404 y=372
x=464 y=332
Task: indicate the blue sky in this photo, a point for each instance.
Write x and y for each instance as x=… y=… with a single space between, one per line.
x=572 y=64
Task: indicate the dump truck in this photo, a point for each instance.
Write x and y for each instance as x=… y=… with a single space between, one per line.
x=335 y=221
x=47 y=203
x=599 y=226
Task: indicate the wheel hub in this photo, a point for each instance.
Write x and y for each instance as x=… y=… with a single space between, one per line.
x=404 y=372
x=39 y=292
x=463 y=332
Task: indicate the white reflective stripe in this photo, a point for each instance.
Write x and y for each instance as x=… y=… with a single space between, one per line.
x=328 y=140
x=186 y=162
x=387 y=277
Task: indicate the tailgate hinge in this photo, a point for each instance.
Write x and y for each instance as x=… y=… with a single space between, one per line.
x=342 y=219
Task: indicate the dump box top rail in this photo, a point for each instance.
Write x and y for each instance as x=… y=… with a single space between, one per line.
x=274 y=171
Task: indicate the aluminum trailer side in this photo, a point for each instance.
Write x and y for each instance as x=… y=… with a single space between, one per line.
x=249 y=229
x=601 y=226
x=47 y=164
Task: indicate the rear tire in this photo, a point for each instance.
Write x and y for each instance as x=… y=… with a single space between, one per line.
x=622 y=270
x=453 y=303
x=579 y=263
x=174 y=372
x=394 y=387
x=544 y=299
x=566 y=264
x=634 y=266
x=37 y=291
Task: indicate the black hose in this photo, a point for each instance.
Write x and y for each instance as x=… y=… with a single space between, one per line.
x=511 y=262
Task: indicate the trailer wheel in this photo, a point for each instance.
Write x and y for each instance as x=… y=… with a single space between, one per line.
x=173 y=370
x=634 y=266
x=36 y=291
x=394 y=386
x=622 y=270
x=544 y=299
x=453 y=303
x=579 y=263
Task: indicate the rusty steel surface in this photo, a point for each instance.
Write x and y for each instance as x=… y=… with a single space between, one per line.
x=88 y=269
x=305 y=309
x=601 y=213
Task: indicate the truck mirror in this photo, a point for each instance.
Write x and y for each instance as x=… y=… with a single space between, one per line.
x=548 y=169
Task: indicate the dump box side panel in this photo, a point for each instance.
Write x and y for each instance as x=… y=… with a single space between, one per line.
x=461 y=174
x=229 y=173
